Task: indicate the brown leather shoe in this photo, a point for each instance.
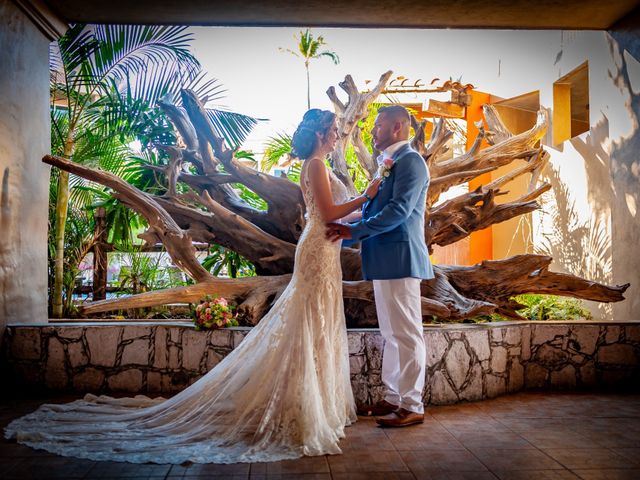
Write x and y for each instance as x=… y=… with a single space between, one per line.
x=400 y=418
x=377 y=409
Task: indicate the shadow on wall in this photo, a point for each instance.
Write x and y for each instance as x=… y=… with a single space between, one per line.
x=579 y=247
x=625 y=169
x=7 y=261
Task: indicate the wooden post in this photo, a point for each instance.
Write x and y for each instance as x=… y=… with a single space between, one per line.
x=100 y=261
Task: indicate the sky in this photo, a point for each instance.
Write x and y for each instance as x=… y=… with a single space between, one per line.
x=265 y=82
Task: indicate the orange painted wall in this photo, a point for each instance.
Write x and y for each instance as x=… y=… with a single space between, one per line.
x=480 y=242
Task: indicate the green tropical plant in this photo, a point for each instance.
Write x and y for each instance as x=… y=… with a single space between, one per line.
x=86 y=64
x=309 y=49
x=542 y=307
x=233 y=264
x=551 y=307
x=276 y=147
x=105 y=82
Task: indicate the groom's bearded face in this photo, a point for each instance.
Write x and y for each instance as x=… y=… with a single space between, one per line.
x=383 y=131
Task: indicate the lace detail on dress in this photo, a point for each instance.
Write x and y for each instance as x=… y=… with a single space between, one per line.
x=282 y=393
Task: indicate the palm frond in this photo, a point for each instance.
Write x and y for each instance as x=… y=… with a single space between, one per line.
x=233 y=127
x=275 y=148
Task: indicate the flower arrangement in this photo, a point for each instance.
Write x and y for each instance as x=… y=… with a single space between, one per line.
x=385 y=168
x=213 y=313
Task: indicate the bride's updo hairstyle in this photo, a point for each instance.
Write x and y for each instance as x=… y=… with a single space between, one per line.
x=305 y=140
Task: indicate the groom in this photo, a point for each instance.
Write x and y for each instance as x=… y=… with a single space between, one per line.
x=394 y=256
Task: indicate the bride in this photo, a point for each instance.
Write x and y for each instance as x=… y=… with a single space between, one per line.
x=284 y=392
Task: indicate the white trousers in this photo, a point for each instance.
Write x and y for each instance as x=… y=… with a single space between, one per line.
x=404 y=356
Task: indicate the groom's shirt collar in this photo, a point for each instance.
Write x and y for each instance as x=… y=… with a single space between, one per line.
x=390 y=150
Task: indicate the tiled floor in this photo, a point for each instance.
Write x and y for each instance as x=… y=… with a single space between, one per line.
x=528 y=436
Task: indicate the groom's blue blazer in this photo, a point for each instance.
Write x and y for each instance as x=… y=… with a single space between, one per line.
x=392 y=225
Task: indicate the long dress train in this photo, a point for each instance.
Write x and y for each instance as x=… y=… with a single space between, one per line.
x=284 y=392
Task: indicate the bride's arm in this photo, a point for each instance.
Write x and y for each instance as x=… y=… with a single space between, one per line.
x=321 y=188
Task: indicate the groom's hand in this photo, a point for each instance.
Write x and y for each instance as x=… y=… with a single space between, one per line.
x=338 y=231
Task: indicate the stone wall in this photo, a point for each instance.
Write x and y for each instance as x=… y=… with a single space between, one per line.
x=464 y=362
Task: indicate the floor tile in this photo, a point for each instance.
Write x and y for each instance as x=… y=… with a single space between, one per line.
x=50 y=467
x=509 y=440
x=373 y=476
x=125 y=469
x=588 y=458
x=536 y=475
x=381 y=461
x=209 y=469
x=291 y=476
x=515 y=459
x=608 y=474
x=425 y=461
x=545 y=438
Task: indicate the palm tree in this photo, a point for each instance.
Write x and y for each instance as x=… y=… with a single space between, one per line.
x=105 y=81
x=308 y=49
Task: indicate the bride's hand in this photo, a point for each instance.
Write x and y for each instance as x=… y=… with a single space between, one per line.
x=372 y=189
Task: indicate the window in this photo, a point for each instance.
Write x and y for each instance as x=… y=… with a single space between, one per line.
x=519 y=113
x=571 y=104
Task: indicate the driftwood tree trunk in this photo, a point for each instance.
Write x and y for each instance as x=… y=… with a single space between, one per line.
x=213 y=212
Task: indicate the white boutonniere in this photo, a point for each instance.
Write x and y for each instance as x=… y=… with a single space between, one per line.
x=385 y=168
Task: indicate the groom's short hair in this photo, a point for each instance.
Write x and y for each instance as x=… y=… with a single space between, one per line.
x=396 y=112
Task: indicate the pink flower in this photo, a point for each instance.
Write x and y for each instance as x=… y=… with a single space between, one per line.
x=388 y=162
x=221 y=301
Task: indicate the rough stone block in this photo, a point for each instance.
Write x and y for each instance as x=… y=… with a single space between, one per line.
x=473 y=390
x=526 y=342
x=495 y=385
x=436 y=344
x=174 y=334
x=194 y=345
x=77 y=356
x=238 y=337
x=160 y=357
x=357 y=364
x=620 y=354
x=612 y=333
x=535 y=376
x=136 y=331
x=499 y=360
x=103 y=344
x=515 y=352
x=551 y=357
x=213 y=359
x=497 y=334
x=154 y=382
x=374 y=345
x=70 y=333
x=546 y=333
x=479 y=341
x=513 y=335
x=174 y=357
x=516 y=376
x=136 y=353
x=585 y=337
x=356 y=343
x=89 y=379
x=457 y=363
x=632 y=333
x=56 y=374
x=588 y=375
x=360 y=389
x=222 y=337
x=129 y=380
x=564 y=378
x=25 y=344
x=441 y=391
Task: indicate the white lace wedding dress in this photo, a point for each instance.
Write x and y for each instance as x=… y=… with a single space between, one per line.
x=284 y=392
